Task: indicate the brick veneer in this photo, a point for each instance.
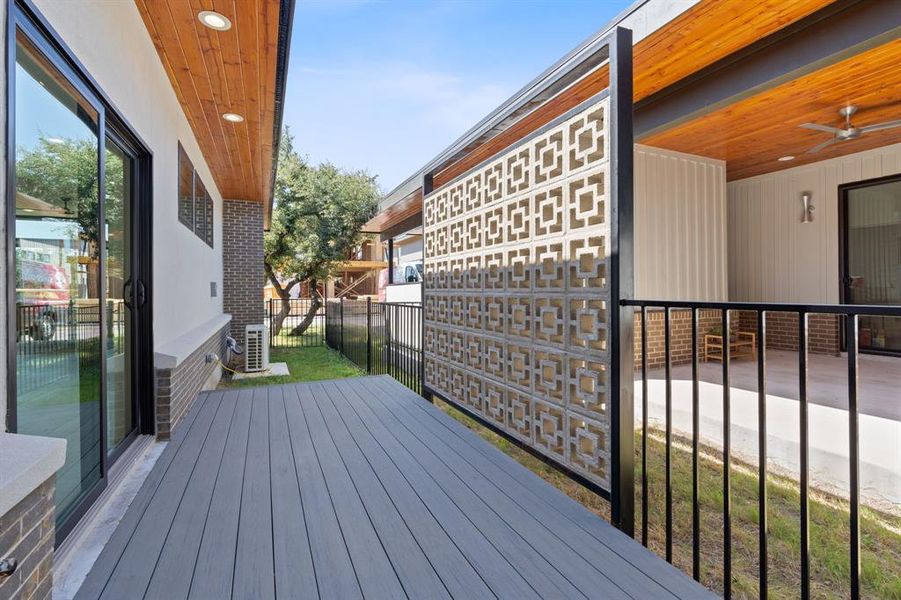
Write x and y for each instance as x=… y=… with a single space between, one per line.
x=27 y=534
x=680 y=335
x=177 y=388
x=823 y=332
x=782 y=333
x=242 y=262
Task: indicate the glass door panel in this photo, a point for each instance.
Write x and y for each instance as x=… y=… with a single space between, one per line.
x=873 y=264
x=58 y=270
x=119 y=177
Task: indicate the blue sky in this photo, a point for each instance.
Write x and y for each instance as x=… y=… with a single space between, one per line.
x=386 y=85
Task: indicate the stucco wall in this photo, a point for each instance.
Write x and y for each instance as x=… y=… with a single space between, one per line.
x=110 y=40
x=773 y=257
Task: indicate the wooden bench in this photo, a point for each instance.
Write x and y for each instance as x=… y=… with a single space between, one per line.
x=741 y=344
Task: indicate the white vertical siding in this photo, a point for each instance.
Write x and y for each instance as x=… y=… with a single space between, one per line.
x=773 y=257
x=680 y=226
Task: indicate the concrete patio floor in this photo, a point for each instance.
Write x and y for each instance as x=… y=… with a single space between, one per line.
x=880 y=417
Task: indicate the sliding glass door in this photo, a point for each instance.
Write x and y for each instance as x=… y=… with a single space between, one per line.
x=76 y=296
x=121 y=416
x=57 y=253
x=872 y=258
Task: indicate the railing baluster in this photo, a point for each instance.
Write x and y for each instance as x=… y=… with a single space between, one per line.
x=695 y=451
x=851 y=332
x=667 y=368
x=805 y=455
x=727 y=466
x=644 y=426
x=762 y=456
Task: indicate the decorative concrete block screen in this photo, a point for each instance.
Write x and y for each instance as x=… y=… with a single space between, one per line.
x=516 y=292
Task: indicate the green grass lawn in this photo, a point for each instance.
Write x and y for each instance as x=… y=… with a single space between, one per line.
x=304 y=364
x=829 y=529
x=313 y=336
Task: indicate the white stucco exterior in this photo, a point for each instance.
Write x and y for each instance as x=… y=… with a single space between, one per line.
x=111 y=41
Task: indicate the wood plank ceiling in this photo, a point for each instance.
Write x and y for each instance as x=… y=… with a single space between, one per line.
x=216 y=72
x=702 y=35
x=752 y=134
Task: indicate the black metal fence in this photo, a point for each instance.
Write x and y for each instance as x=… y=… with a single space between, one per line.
x=379 y=337
x=298 y=310
x=848 y=315
x=54 y=342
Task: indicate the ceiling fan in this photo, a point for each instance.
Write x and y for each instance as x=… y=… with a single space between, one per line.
x=849 y=132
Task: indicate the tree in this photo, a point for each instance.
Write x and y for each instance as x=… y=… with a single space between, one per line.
x=62 y=173
x=316 y=220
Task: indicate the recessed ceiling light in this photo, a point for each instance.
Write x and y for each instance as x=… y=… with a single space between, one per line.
x=786 y=158
x=234 y=118
x=214 y=20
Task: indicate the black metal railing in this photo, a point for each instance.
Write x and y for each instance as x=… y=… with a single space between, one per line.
x=292 y=313
x=848 y=317
x=379 y=337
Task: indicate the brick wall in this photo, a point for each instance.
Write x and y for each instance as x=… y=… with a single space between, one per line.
x=177 y=388
x=27 y=534
x=242 y=261
x=823 y=333
x=680 y=335
x=782 y=333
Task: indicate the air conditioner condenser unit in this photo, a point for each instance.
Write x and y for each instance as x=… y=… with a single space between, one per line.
x=256 y=348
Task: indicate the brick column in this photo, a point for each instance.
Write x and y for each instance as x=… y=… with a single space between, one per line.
x=26 y=535
x=242 y=261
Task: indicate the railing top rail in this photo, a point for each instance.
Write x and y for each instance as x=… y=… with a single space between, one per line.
x=837 y=309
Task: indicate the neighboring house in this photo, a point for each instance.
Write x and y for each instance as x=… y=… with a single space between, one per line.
x=140 y=154
x=355 y=277
x=359 y=274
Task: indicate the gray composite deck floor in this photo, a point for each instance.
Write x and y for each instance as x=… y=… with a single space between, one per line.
x=358 y=488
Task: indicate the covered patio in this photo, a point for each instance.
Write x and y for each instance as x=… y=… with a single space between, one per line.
x=353 y=488
x=827 y=395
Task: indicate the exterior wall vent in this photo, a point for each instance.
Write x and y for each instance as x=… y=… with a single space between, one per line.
x=256 y=348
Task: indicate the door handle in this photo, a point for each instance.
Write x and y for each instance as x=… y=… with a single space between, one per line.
x=126 y=292
x=141 y=295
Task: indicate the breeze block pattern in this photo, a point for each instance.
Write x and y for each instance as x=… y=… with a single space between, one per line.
x=516 y=292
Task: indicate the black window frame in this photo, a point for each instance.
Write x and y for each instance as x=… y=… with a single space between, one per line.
x=203 y=213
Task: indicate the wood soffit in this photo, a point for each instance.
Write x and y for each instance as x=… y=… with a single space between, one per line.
x=216 y=72
x=702 y=35
x=752 y=134
x=395 y=214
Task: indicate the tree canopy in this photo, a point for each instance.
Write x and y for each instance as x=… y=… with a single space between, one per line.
x=316 y=219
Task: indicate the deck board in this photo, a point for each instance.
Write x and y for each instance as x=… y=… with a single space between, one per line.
x=358 y=488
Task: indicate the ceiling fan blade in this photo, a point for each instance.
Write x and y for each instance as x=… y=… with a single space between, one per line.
x=880 y=126
x=823 y=128
x=819 y=147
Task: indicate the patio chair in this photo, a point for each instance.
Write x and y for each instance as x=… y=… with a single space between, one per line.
x=741 y=344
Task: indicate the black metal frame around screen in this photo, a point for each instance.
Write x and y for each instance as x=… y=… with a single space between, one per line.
x=618 y=45
x=843 y=274
x=23 y=16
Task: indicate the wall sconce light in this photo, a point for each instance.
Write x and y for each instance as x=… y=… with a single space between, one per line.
x=807 y=215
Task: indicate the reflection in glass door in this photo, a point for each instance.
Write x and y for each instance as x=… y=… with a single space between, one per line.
x=58 y=259
x=872 y=261
x=120 y=413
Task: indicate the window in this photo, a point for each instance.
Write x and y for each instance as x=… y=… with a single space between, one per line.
x=195 y=206
x=185 y=189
